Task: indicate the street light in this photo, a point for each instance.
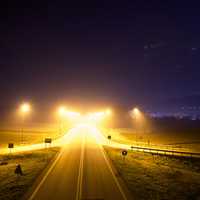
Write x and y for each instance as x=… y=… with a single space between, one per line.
x=137 y=116
x=136 y=112
x=24 y=109
x=62 y=113
x=108 y=111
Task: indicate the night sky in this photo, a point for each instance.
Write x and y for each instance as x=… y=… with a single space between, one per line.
x=116 y=52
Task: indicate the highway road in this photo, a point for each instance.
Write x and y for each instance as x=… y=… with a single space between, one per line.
x=81 y=171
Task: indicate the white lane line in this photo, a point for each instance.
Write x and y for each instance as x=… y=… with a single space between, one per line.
x=45 y=176
x=113 y=174
x=80 y=173
x=70 y=136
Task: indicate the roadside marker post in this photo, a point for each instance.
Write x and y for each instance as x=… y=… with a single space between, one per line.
x=47 y=142
x=149 y=143
x=109 y=138
x=10 y=146
x=124 y=154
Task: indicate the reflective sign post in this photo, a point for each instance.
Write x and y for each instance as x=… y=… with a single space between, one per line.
x=47 y=141
x=124 y=154
x=10 y=146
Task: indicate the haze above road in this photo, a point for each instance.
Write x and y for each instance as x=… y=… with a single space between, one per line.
x=81 y=171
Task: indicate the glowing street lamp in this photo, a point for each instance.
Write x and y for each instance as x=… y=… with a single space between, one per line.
x=136 y=113
x=62 y=113
x=108 y=111
x=24 y=109
x=139 y=119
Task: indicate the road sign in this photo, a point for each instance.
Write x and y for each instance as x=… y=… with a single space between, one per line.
x=109 y=137
x=10 y=145
x=124 y=153
x=48 y=140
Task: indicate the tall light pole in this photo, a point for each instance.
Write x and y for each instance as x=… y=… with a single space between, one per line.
x=136 y=115
x=62 y=113
x=24 y=110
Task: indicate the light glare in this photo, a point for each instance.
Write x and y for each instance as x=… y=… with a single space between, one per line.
x=61 y=111
x=25 y=107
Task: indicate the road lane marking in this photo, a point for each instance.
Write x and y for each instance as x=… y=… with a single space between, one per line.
x=113 y=174
x=70 y=137
x=111 y=170
x=80 y=172
x=45 y=176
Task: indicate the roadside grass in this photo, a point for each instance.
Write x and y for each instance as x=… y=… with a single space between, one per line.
x=28 y=137
x=13 y=187
x=32 y=134
x=158 y=177
x=189 y=141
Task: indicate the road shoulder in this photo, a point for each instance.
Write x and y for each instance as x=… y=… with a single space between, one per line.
x=38 y=181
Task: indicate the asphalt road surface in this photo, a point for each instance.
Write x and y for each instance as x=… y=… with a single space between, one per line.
x=81 y=171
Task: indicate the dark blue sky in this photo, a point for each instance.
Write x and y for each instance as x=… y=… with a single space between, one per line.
x=121 y=52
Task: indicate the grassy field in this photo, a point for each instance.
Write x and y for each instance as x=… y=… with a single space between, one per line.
x=32 y=134
x=168 y=140
x=13 y=187
x=158 y=177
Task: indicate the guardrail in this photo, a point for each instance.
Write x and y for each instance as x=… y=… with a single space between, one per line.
x=165 y=152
